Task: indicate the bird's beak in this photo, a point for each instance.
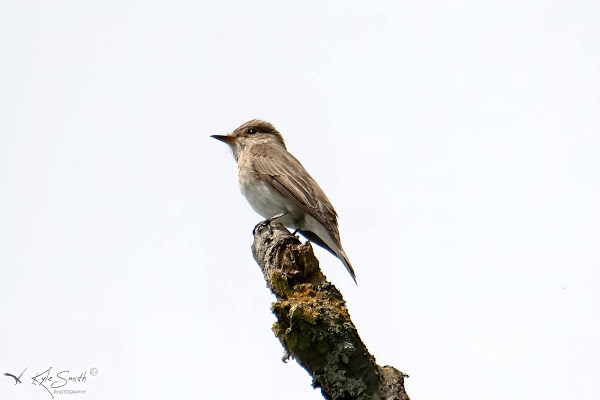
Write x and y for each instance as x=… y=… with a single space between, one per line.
x=223 y=138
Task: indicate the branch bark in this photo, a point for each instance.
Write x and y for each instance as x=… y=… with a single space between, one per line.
x=313 y=323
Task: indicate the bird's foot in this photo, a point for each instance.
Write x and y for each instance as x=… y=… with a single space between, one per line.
x=273 y=218
x=268 y=222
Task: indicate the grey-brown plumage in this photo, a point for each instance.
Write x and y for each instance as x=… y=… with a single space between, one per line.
x=274 y=182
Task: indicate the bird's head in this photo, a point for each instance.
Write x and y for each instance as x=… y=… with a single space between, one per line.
x=252 y=132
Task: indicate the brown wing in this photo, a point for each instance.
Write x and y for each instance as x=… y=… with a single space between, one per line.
x=280 y=169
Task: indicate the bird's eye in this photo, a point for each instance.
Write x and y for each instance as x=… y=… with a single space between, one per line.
x=251 y=131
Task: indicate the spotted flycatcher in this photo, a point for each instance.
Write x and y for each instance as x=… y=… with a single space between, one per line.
x=277 y=185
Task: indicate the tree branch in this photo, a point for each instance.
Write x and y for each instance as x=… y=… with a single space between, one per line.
x=313 y=323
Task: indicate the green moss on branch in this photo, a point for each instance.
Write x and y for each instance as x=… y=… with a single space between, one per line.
x=313 y=323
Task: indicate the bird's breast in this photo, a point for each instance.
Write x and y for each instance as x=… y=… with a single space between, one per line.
x=263 y=198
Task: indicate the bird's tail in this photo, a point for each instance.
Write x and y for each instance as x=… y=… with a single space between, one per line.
x=344 y=259
x=336 y=251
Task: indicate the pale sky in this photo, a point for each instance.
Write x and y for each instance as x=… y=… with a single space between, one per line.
x=459 y=143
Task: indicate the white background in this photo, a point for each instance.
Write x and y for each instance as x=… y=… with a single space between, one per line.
x=458 y=141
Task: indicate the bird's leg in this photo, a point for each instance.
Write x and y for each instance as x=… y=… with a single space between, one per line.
x=269 y=220
x=273 y=218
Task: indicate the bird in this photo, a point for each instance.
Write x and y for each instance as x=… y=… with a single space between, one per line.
x=279 y=188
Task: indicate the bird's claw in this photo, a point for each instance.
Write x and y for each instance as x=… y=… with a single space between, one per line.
x=268 y=222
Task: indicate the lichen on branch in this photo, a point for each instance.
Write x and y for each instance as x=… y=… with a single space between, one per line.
x=313 y=323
